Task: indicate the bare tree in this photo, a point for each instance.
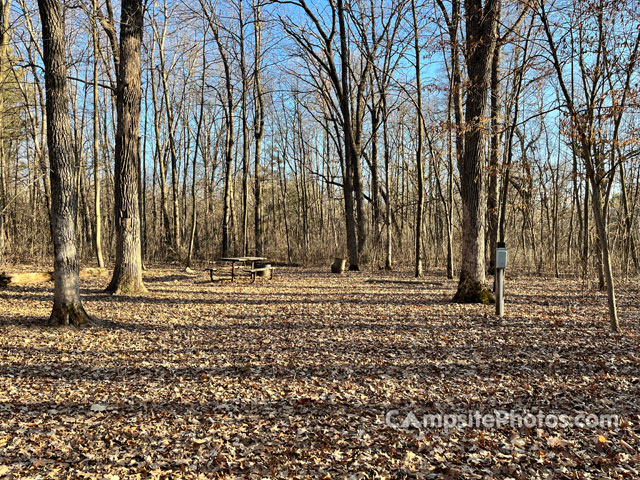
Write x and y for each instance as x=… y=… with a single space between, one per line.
x=96 y=143
x=67 y=305
x=419 y=146
x=292 y=165
x=327 y=42
x=196 y=149
x=587 y=124
x=480 y=24
x=258 y=130
x=127 y=274
x=5 y=9
x=164 y=72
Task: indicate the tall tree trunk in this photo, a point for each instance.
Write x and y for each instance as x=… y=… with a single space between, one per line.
x=194 y=215
x=494 y=156
x=142 y=178
x=601 y=225
x=375 y=187
x=127 y=274
x=585 y=135
x=160 y=156
x=481 y=39
x=259 y=133
x=245 y=133
x=585 y=235
x=388 y=262
x=556 y=213
x=228 y=165
x=629 y=244
x=455 y=104
x=450 y=218
x=419 y=162
x=67 y=305
x=97 y=236
x=352 y=162
x=5 y=9
x=226 y=207
x=174 y=160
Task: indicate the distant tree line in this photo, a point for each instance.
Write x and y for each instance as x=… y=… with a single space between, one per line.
x=387 y=131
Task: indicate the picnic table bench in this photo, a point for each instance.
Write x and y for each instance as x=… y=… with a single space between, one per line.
x=261 y=268
x=251 y=266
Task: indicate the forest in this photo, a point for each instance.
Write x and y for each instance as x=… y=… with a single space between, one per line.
x=144 y=143
x=342 y=128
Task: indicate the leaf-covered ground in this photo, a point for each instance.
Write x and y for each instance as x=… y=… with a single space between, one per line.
x=293 y=379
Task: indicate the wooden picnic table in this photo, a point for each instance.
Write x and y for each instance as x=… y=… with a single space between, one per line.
x=243 y=261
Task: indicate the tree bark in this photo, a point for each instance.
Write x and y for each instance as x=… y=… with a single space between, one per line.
x=161 y=158
x=194 y=213
x=245 y=131
x=388 y=260
x=481 y=39
x=228 y=156
x=5 y=9
x=494 y=155
x=419 y=162
x=258 y=134
x=355 y=241
x=67 y=305
x=127 y=274
x=601 y=225
x=171 y=125
x=97 y=236
x=585 y=238
x=454 y=103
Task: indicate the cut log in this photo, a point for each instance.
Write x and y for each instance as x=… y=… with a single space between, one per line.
x=90 y=272
x=339 y=265
x=7 y=279
x=24 y=278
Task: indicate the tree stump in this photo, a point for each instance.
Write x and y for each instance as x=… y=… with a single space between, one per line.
x=339 y=265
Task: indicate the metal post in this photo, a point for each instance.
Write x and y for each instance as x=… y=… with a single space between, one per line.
x=501 y=264
x=500 y=292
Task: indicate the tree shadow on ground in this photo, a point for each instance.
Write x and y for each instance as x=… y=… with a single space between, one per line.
x=177 y=277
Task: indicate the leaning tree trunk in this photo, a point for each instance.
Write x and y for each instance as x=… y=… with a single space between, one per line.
x=481 y=39
x=67 y=306
x=599 y=218
x=127 y=274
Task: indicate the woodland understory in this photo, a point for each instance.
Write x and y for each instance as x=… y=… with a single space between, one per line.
x=152 y=138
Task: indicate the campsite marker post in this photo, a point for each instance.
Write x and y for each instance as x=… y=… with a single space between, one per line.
x=501 y=264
